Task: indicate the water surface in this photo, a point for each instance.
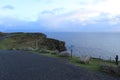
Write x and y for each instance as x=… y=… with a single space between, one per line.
x=104 y=45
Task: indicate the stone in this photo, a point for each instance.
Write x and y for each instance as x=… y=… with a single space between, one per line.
x=110 y=69
x=53 y=44
x=55 y=52
x=44 y=51
x=29 y=49
x=84 y=59
x=13 y=49
x=64 y=54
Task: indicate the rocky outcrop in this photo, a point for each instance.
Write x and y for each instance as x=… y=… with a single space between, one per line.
x=36 y=41
x=53 y=44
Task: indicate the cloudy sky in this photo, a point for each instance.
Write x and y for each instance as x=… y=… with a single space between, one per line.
x=60 y=15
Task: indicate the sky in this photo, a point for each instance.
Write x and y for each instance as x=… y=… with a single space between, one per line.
x=60 y=15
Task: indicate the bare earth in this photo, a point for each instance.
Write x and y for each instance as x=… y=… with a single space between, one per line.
x=19 y=65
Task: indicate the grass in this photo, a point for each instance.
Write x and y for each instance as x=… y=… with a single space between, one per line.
x=10 y=43
x=94 y=64
x=6 y=43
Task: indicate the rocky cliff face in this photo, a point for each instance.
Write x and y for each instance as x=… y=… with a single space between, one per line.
x=53 y=44
x=34 y=40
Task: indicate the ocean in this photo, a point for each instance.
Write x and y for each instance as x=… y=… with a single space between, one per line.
x=99 y=45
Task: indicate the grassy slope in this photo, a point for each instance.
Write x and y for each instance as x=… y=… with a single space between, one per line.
x=19 y=41
x=94 y=64
x=6 y=43
x=10 y=43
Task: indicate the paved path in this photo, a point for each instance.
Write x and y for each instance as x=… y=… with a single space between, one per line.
x=19 y=65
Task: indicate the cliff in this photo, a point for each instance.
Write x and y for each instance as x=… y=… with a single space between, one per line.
x=31 y=40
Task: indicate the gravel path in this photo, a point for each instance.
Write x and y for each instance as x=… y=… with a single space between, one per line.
x=19 y=65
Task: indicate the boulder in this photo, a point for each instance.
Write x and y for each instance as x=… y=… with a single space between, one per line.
x=84 y=59
x=13 y=48
x=55 y=52
x=29 y=49
x=64 y=54
x=44 y=51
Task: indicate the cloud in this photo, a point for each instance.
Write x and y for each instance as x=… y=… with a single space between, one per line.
x=14 y=25
x=55 y=11
x=107 y=6
x=8 y=7
x=58 y=9
x=47 y=12
x=54 y=25
x=57 y=15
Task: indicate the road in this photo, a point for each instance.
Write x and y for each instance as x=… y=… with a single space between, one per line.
x=20 y=65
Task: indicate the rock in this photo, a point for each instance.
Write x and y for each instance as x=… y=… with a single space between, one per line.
x=53 y=44
x=110 y=69
x=20 y=49
x=55 y=52
x=29 y=49
x=36 y=49
x=106 y=68
x=13 y=49
x=84 y=59
x=64 y=54
x=44 y=51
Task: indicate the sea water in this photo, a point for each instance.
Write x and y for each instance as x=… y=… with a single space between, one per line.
x=100 y=45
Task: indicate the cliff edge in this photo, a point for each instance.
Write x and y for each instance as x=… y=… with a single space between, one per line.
x=30 y=40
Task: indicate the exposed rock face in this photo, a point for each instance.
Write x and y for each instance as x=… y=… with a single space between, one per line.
x=53 y=44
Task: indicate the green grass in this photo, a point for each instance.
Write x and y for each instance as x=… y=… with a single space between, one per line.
x=94 y=64
x=6 y=43
x=10 y=43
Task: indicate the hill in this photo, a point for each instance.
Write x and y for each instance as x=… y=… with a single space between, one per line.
x=30 y=41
